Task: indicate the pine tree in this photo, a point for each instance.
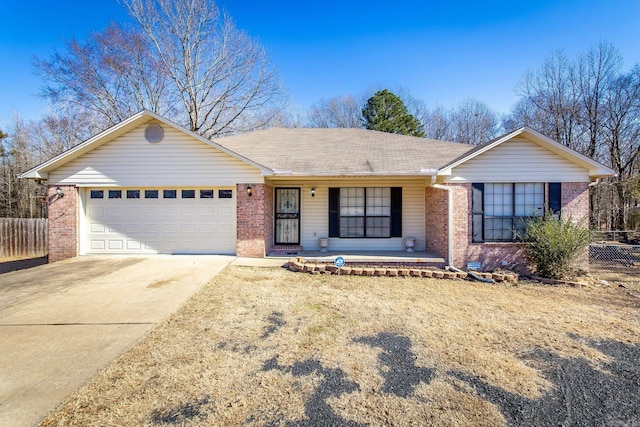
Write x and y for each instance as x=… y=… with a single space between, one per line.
x=386 y=112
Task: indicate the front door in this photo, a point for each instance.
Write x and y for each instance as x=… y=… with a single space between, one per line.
x=287 y=216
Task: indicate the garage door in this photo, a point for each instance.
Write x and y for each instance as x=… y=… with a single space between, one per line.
x=166 y=220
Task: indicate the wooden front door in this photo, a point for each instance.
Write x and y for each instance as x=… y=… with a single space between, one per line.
x=287 y=215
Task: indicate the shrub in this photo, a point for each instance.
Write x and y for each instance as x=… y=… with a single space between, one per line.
x=555 y=244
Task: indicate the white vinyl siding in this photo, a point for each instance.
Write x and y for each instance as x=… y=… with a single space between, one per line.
x=314 y=216
x=518 y=160
x=178 y=160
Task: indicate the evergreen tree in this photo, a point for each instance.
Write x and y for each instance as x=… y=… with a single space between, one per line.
x=386 y=112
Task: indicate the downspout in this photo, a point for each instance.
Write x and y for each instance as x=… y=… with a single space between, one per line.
x=449 y=218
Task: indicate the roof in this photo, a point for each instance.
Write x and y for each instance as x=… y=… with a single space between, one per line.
x=596 y=170
x=343 y=152
x=331 y=152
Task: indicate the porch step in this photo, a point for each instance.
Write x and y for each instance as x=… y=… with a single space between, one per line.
x=286 y=250
x=381 y=258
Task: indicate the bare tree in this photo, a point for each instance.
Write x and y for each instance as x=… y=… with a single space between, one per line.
x=221 y=77
x=553 y=92
x=620 y=130
x=18 y=197
x=596 y=72
x=437 y=124
x=337 y=112
x=57 y=132
x=111 y=73
x=473 y=122
x=184 y=60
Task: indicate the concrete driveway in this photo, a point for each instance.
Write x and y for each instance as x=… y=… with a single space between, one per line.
x=62 y=323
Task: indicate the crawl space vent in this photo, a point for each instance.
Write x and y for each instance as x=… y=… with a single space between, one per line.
x=154 y=133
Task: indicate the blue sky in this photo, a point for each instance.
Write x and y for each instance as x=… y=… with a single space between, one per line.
x=442 y=52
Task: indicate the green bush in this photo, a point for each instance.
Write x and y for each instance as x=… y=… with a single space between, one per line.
x=554 y=245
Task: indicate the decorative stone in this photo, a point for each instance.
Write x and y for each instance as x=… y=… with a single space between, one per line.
x=296 y=266
x=332 y=268
x=321 y=267
x=380 y=271
x=356 y=271
x=308 y=268
x=449 y=275
x=368 y=271
x=438 y=274
x=403 y=272
x=415 y=272
x=427 y=273
x=392 y=272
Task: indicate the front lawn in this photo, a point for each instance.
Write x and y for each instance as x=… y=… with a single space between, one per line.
x=263 y=346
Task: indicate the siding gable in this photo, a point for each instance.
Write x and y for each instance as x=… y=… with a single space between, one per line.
x=518 y=160
x=178 y=160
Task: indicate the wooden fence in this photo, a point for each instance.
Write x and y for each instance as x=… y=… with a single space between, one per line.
x=23 y=238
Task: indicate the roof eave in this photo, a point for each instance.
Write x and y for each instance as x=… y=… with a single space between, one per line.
x=354 y=174
x=33 y=174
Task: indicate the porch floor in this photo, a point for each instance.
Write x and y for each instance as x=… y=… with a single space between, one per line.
x=426 y=258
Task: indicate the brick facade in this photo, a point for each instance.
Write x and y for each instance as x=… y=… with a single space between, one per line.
x=254 y=220
x=269 y=218
x=436 y=220
x=575 y=204
x=575 y=201
x=63 y=223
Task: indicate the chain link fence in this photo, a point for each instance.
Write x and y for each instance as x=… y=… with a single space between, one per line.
x=616 y=258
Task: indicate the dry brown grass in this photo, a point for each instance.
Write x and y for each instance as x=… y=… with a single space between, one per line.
x=237 y=352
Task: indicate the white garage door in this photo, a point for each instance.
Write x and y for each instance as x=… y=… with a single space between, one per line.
x=166 y=220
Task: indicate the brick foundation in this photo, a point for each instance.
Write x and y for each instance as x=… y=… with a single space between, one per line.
x=63 y=223
x=254 y=220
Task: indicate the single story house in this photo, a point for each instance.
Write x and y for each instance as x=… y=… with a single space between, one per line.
x=147 y=185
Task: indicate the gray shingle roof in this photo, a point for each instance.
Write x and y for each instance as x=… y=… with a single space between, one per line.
x=342 y=151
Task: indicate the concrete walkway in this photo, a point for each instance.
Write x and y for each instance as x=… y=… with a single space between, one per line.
x=61 y=323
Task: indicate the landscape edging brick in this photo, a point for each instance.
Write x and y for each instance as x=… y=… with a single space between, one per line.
x=299 y=264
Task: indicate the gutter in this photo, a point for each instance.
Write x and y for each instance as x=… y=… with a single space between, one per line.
x=449 y=219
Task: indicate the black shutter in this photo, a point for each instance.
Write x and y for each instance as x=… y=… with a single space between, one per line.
x=555 y=198
x=477 y=211
x=396 y=211
x=334 y=212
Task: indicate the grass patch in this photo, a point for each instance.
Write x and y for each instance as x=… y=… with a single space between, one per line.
x=271 y=347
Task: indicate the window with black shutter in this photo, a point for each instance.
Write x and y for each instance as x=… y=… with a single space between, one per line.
x=365 y=212
x=500 y=210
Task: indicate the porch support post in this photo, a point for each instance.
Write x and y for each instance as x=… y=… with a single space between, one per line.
x=254 y=220
x=449 y=226
x=62 y=201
